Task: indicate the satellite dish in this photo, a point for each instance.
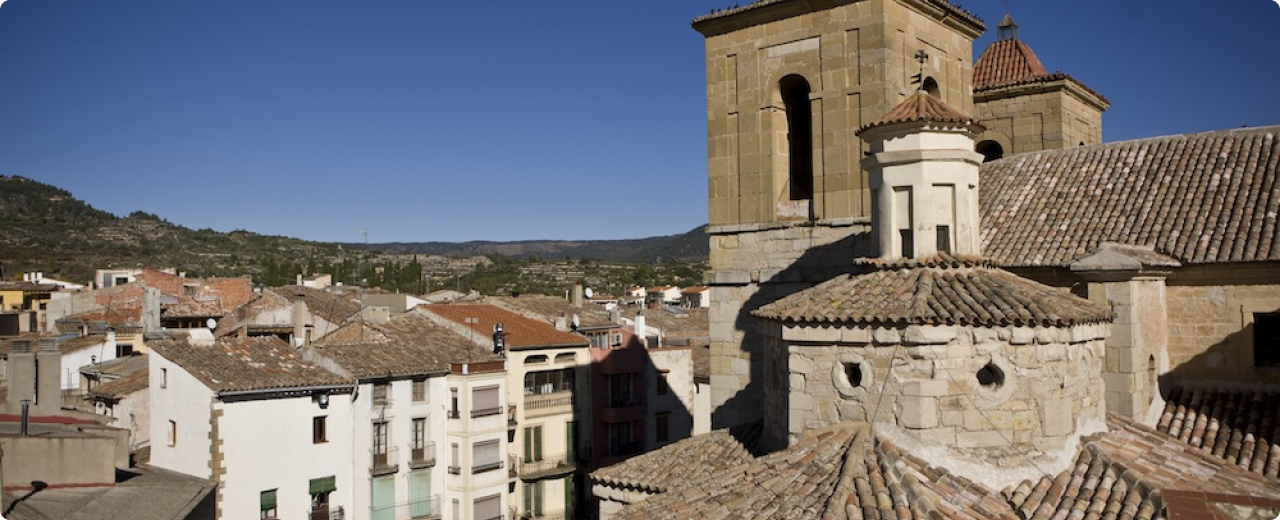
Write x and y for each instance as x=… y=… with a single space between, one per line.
x=576 y=323
x=212 y=323
x=588 y=292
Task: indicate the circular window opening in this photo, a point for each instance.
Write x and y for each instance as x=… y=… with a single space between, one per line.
x=853 y=374
x=990 y=150
x=990 y=376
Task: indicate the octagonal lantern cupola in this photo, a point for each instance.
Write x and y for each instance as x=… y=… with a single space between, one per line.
x=923 y=176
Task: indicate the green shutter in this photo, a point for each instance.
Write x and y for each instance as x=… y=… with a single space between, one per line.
x=528 y=444
x=537 y=443
x=420 y=494
x=323 y=485
x=571 y=442
x=268 y=500
x=384 y=498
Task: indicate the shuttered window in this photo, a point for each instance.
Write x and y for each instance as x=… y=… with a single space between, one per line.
x=384 y=498
x=420 y=495
x=485 y=456
x=485 y=401
x=488 y=508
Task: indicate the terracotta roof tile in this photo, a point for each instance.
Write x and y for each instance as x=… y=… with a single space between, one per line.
x=934 y=291
x=121 y=387
x=548 y=308
x=1201 y=198
x=1239 y=424
x=676 y=465
x=234 y=363
x=521 y=332
x=1004 y=62
x=411 y=343
x=921 y=107
x=188 y=307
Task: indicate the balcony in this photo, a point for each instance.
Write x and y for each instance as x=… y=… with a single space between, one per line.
x=552 y=465
x=422 y=457
x=455 y=470
x=547 y=515
x=488 y=466
x=385 y=462
x=547 y=404
x=511 y=417
x=426 y=509
x=453 y=414
x=511 y=466
x=483 y=412
x=336 y=513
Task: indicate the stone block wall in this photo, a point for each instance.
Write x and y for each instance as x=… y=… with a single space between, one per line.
x=1137 y=353
x=1211 y=333
x=753 y=266
x=923 y=381
x=1038 y=117
x=856 y=57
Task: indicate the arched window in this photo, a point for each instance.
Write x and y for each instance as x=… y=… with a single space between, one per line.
x=795 y=99
x=990 y=150
x=930 y=85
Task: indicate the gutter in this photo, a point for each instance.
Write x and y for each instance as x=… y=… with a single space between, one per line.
x=297 y=391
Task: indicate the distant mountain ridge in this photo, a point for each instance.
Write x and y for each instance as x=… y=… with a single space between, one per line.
x=44 y=228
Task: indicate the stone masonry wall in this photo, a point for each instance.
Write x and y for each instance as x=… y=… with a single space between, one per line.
x=1031 y=118
x=1052 y=390
x=1211 y=331
x=753 y=266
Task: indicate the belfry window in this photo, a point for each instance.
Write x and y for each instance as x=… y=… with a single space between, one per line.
x=795 y=98
x=990 y=150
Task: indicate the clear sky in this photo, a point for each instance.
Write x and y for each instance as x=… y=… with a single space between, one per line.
x=489 y=120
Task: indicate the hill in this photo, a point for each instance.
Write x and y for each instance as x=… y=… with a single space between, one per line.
x=43 y=228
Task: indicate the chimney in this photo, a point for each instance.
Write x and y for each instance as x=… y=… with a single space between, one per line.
x=299 y=319
x=562 y=324
x=48 y=378
x=22 y=374
x=110 y=344
x=615 y=316
x=576 y=298
x=640 y=328
x=299 y=279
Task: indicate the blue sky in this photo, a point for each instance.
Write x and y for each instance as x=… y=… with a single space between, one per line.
x=494 y=120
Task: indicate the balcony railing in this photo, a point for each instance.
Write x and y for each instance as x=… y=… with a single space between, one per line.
x=622 y=401
x=422 y=457
x=511 y=416
x=488 y=466
x=336 y=513
x=623 y=448
x=455 y=470
x=511 y=466
x=453 y=414
x=552 y=400
x=382 y=463
x=481 y=412
x=425 y=509
x=545 y=515
x=551 y=464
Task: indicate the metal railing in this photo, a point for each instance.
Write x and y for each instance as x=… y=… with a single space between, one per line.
x=384 y=462
x=623 y=401
x=511 y=415
x=337 y=513
x=481 y=468
x=425 y=509
x=549 y=464
x=481 y=412
x=453 y=414
x=545 y=515
x=552 y=400
x=422 y=457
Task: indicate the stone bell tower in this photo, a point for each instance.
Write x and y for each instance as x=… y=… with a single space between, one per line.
x=789 y=82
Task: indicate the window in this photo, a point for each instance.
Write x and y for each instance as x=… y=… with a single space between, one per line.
x=455 y=467
x=533 y=498
x=620 y=390
x=453 y=406
x=173 y=433
x=662 y=427
x=124 y=349
x=317 y=429
x=795 y=100
x=485 y=456
x=380 y=443
x=990 y=150
x=533 y=444
x=1266 y=340
x=420 y=504
x=320 y=488
x=383 y=497
x=189 y=290
x=419 y=391
x=567 y=357
x=944 y=239
x=380 y=392
x=548 y=382
x=536 y=360
x=164 y=378
x=267 y=503
x=620 y=442
x=487 y=508
x=853 y=374
x=663 y=387
x=485 y=401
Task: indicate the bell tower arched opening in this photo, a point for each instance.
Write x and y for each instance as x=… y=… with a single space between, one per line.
x=795 y=99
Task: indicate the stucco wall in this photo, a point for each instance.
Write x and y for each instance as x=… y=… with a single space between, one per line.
x=188 y=403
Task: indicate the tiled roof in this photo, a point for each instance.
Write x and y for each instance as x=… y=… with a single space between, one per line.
x=66 y=344
x=233 y=364
x=951 y=9
x=934 y=291
x=548 y=308
x=188 y=307
x=1121 y=472
x=6 y=285
x=677 y=465
x=332 y=307
x=836 y=472
x=411 y=343
x=921 y=107
x=1129 y=472
x=1202 y=198
x=1239 y=424
x=121 y=387
x=702 y=362
x=521 y=332
x=1006 y=61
